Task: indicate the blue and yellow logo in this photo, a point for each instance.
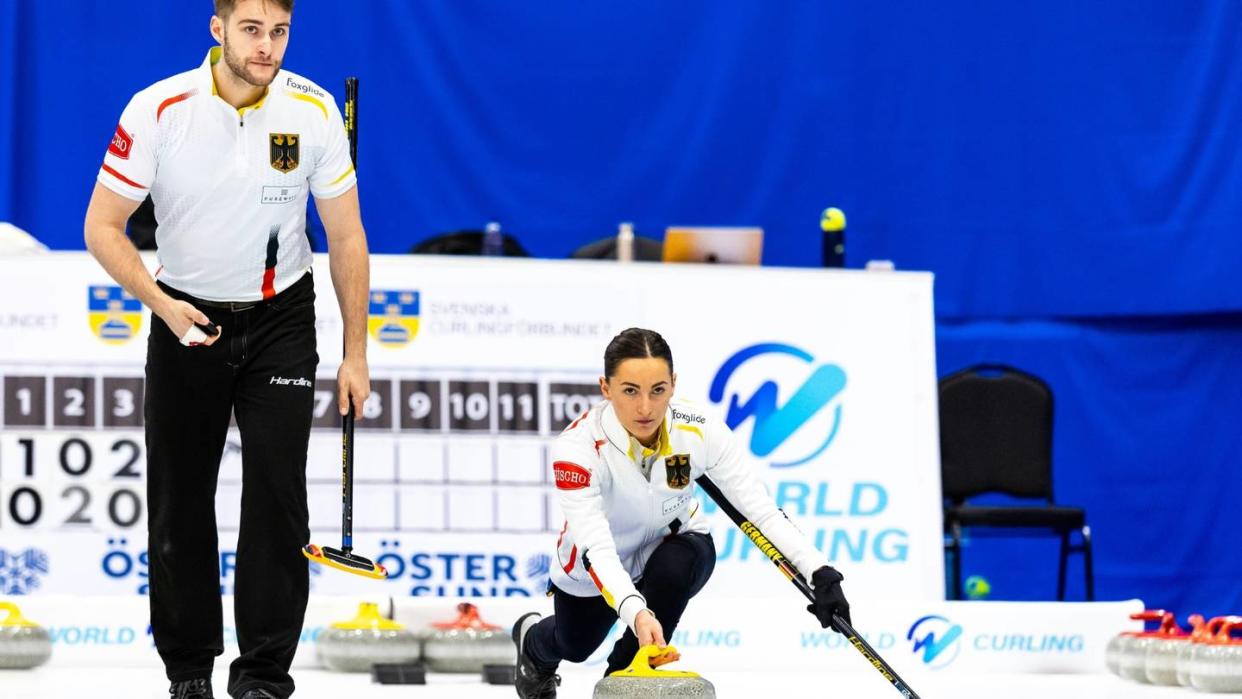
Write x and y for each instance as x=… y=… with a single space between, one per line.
x=392 y=318
x=115 y=316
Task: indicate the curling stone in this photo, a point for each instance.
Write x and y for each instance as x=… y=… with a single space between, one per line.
x=1119 y=646
x=1185 y=654
x=1161 y=661
x=367 y=639
x=467 y=643
x=642 y=679
x=23 y=643
x=1114 y=649
x=1133 y=659
x=1217 y=663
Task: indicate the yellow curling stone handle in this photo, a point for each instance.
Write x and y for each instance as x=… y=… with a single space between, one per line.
x=646 y=657
x=15 y=617
x=369 y=618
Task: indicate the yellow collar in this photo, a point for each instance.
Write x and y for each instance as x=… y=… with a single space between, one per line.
x=662 y=446
x=213 y=57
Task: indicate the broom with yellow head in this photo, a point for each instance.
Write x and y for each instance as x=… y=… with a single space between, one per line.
x=344 y=558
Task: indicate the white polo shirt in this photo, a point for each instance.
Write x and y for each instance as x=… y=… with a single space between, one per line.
x=229 y=185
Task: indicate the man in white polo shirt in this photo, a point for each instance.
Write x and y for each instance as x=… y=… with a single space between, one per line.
x=229 y=152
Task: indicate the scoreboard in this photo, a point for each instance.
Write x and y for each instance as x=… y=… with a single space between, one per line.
x=428 y=445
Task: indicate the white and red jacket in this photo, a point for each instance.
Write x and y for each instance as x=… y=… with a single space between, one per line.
x=229 y=186
x=615 y=516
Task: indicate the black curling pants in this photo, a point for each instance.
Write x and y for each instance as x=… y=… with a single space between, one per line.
x=262 y=370
x=676 y=571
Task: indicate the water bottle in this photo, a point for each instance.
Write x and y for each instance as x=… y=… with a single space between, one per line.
x=493 y=240
x=832 y=223
x=625 y=242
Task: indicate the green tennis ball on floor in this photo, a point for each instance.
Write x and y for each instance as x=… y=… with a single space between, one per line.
x=978 y=587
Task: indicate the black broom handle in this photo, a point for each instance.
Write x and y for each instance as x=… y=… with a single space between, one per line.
x=769 y=549
x=347 y=480
x=347 y=425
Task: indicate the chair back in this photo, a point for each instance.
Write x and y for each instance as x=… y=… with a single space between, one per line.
x=995 y=433
x=466 y=242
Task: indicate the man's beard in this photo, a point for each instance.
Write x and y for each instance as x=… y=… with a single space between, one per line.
x=238 y=66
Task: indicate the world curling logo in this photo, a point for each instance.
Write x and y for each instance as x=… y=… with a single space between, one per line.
x=937 y=638
x=392 y=317
x=797 y=431
x=114 y=315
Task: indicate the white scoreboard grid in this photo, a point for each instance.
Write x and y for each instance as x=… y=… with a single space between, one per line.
x=445 y=451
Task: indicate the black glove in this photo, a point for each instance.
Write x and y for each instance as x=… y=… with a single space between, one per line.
x=829 y=599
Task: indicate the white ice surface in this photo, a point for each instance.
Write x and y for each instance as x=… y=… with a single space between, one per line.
x=144 y=683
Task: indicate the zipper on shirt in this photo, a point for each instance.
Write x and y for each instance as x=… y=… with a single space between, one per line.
x=241 y=146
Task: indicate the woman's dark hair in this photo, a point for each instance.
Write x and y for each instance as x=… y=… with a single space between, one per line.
x=635 y=343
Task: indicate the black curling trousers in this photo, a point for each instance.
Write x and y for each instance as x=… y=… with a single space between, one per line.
x=676 y=571
x=262 y=370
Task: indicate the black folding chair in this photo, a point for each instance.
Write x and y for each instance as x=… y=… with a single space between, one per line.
x=466 y=242
x=996 y=437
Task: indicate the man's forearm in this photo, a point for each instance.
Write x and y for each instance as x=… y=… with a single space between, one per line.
x=351 y=276
x=120 y=259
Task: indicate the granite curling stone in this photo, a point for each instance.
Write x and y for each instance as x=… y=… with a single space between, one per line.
x=1133 y=664
x=467 y=643
x=366 y=640
x=1119 y=646
x=1185 y=654
x=1161 y=665
x=1217 y=663
x=23 y=643
x=642 y=679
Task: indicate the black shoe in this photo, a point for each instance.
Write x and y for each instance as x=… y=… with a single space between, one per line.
x=257 y=693
x=529 y=680
x=191 y=689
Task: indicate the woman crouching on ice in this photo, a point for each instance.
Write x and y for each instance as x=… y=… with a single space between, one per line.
x=635 y=544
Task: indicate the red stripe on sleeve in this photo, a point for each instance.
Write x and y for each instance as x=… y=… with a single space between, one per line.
x=607 y=595
x=171 y=101
x=121 y=177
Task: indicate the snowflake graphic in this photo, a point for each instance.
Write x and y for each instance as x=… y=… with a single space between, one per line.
x=20 y=572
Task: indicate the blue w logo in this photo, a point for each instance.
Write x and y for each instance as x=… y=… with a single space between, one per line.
x=932 y=646
x=775 y=424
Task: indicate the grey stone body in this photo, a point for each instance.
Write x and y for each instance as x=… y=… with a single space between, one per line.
x=356 y=650
x=24 y=647
x=635 y=687
x=467 y=650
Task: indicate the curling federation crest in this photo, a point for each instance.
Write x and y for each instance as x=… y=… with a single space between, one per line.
x=392 y=316
x=114 y=315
